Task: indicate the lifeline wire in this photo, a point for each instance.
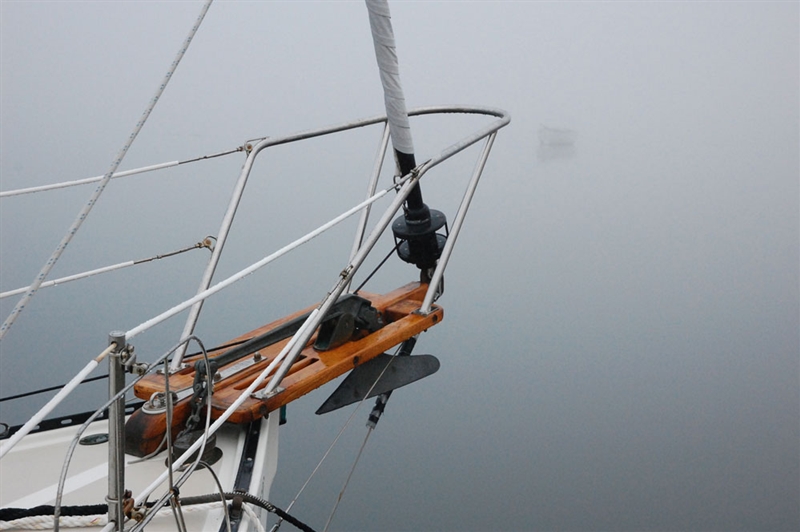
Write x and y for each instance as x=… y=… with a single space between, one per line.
x=86 y=181
x=126 y=173
x=102 y=185
x=206 y=243
x=50 y=389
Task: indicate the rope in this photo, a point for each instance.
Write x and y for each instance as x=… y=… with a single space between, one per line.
x=102 y=185
x=11 y=514
x=45 y=521
x=253 y=517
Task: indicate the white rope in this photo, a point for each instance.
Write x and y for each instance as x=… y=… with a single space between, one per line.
x=34 y=286
x=253 y=517
x=45 y=522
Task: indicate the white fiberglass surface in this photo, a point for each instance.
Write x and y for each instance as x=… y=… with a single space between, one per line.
x=29 y=474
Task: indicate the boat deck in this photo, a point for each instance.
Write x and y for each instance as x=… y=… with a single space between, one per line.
x=31 y=470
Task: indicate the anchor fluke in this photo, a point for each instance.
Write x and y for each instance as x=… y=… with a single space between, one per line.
x=401 y=370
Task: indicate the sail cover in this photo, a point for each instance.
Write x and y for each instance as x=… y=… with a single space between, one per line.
x=380 y=21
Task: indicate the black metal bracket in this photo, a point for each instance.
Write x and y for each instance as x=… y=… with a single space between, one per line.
x=349 y=317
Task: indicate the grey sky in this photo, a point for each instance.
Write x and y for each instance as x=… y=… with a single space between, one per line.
x=620 y=346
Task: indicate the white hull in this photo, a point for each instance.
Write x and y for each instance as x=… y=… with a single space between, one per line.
x=36 y=462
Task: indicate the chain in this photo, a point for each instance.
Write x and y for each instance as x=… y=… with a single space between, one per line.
x=199 y=398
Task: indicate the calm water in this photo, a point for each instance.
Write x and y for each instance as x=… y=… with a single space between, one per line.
x=620 y=343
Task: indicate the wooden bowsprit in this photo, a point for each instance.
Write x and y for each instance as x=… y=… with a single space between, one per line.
x=314 y=367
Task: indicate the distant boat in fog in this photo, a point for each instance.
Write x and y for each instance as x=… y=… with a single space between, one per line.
x=552 y=136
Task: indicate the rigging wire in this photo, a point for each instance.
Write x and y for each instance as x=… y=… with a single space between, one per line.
x=403 y=350
x=347 y=480
x=84 y=212
x=277 y=525
x=400 y=132
x=154 y=453
x=115 y=175
x=378 y=267
x=50 y=389
x=175 y=505
x=86 y=180
x=68 y=457
x=207 y=242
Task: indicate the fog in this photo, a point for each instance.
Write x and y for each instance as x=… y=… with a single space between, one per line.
x=621 y=343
